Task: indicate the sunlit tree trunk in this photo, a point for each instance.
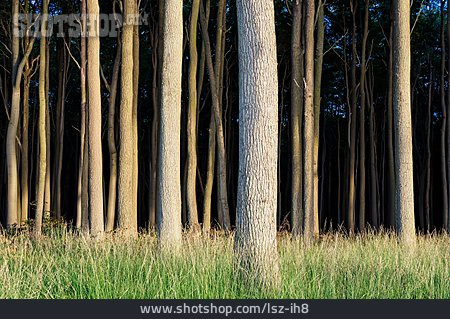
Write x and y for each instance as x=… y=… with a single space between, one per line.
x=317 y=99
x=255 y=242
x=404 y=194
x=169 y=191
x=96 y=225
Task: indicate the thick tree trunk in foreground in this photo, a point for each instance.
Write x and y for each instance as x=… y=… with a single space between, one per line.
x=255 y=242
x=95 y=123
x=169 y=191
x=404 y=194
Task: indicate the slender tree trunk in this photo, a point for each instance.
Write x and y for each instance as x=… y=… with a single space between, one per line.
x=443 y=163
x=308 y=135
x=48 y=127
x=223 y=198
x=169 y=192
x=390 y=183
x=95 y=123
x=362 y=121
x=127 y=216
x=373 y=161
x=42 y=167
x=135 y=180
x=82 y=163
x=352 y=166
x=428 y=157
x=448 y=122
x=112 y=193
x=11 y=152
x=317 y=98
x=404 y=194
x=191 y=164
x=255 y=242
x=296 y=120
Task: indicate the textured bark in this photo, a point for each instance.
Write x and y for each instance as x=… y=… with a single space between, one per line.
x=404 y=194
x=112 y=193
x=373 y=147
x=127 y=215
x=308 y=135
x=255 y=242
x=222 y=171
x=362 y=121
x=96 y=225
x=42 y=167
x=82 y=163
x=317 y=99
x=169 y=192
x=296 y=119
x=191 y=193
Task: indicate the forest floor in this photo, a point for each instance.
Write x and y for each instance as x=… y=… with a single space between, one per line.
x=63 y=265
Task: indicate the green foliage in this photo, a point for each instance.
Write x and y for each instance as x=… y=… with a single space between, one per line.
x=68 y=266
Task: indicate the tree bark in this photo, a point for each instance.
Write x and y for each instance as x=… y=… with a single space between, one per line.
x=404 y=194
x=96 y=225
x=255 y=242
x=308 y=135
x=317 y=99
x=169 y=192
x=362 y=121
x=42 y=168
x=297 y=90
x=443 y=163
x=191 y=163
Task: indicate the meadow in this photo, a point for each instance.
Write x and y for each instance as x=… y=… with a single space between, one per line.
x=65 y=265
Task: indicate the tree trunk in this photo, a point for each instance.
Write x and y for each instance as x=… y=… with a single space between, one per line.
x=362 y=121
x=82 y=163
x=352 y=168
x=135 y=180
x=11 y=152
x=127 y=215
x=443 y=163
x=223 y=198
x=169 y=192
x=296 y=120
x=428 y=157
x=317 y=99
x=404 y=194
x=448 y=122
x=308 y=135
x=112 y=193
x=191 y=163
x=255 y=242
x=95 y=123
x=42 y=170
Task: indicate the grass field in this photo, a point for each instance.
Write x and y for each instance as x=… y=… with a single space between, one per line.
x=67 y=266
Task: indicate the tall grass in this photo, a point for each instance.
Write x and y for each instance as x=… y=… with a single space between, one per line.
x=63 y=265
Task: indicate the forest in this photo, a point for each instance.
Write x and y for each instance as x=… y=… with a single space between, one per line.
x=288 y=135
